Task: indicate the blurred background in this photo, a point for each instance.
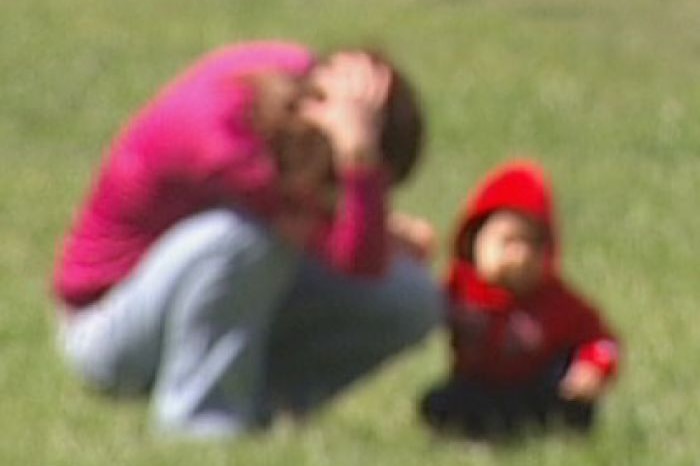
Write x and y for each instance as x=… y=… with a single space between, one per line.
x=604 y=94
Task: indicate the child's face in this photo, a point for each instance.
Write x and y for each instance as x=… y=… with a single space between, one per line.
x=509 y=252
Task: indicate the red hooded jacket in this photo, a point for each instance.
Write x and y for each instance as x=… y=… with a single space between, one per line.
x=502 y=340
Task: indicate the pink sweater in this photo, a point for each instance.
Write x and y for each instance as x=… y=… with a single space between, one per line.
x=191 y=149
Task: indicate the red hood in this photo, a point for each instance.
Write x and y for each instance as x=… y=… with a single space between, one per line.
x=522 y=186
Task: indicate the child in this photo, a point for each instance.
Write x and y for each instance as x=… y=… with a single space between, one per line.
x=526 y=348
x=253 y=186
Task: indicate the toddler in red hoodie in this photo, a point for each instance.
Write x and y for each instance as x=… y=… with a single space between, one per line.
x=527 y=348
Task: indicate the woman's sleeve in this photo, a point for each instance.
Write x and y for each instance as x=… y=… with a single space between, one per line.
x=356 y=241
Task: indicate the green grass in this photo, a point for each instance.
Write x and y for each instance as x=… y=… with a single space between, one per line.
x=604 y=93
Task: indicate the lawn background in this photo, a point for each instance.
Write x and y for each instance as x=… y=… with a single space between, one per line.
x=605 y=94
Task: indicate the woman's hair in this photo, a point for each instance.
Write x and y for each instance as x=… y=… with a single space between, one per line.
x=296 y=144
x=293 y=143
x=403 y=136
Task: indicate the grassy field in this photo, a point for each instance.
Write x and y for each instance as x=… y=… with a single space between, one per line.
x=605 y=94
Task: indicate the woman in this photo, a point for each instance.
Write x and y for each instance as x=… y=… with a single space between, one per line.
x=234 y=246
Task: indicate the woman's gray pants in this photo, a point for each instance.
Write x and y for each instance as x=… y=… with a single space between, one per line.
x=223 y=324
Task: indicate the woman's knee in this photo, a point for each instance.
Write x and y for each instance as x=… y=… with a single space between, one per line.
x=101 y=366
x=411 y=297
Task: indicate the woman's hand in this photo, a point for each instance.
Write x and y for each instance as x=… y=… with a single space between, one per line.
x=412 y=234
x=352 y=92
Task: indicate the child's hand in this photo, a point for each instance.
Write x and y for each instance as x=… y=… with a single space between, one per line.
x=353 y=91
x=582 y=382
x=413 y=234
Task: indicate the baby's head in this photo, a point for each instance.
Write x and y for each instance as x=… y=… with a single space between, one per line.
x=508 y=249
x=507 y=231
